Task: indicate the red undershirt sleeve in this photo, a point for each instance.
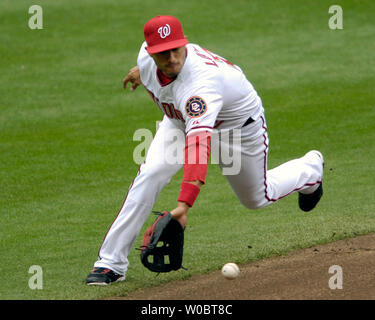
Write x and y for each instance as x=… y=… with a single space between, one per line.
x=197 y=153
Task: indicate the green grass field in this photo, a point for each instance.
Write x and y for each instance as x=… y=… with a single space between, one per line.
x=66 y=133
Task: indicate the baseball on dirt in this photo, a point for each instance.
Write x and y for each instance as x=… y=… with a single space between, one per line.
x=230 y=271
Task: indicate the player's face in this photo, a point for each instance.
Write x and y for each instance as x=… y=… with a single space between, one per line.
x=170 y=62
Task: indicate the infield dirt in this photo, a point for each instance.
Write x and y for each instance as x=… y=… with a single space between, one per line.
x=302 y=274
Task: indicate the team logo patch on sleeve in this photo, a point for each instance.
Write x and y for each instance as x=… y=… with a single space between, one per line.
x=195 y=107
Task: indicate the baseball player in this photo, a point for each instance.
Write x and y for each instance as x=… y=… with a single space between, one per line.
x=201 y=95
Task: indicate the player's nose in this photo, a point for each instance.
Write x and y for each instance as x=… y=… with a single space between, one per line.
x=172 y=56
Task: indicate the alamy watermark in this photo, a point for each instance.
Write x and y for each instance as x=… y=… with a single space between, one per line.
x=225 y=148
x=336 y=281
x=36 y=20
x=336 y=20
x=36 y=280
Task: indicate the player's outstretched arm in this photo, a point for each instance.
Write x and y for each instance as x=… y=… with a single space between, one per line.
x=133 y=77
x=194 y=173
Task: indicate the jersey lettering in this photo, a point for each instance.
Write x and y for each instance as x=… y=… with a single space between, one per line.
x=219 y=59
x=199 y=54
x=168 y=108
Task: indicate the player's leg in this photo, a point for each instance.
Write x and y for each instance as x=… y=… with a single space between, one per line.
x=256 y=186
x=152 y=176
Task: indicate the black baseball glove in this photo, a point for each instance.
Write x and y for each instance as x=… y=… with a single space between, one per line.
x=165 y=238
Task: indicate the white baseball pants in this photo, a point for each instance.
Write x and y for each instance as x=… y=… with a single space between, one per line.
x=254 y=185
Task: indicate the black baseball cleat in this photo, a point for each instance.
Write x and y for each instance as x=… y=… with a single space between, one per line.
x=103 y=277
x=307 y=202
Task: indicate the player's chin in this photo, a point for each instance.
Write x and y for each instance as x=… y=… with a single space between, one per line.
x=173 y=72
x=173 y=75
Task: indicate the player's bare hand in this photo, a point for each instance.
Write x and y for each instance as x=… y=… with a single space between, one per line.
x=134 y=78
x=180 y=213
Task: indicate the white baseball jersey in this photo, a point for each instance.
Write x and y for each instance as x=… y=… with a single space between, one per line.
x=208 y=93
